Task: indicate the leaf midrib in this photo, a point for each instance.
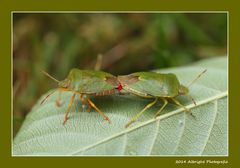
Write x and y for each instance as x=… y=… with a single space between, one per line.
x=162 y=117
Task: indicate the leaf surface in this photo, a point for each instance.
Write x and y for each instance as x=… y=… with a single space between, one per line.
x=174 y=132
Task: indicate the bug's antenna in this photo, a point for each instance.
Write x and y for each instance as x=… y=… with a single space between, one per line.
x=194 y=102
x=98 y=63
x=48 y=75
x=197 y=77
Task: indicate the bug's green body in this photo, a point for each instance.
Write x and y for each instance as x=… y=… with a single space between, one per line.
x=84 y=83
x=89 y=81
x=151 y=84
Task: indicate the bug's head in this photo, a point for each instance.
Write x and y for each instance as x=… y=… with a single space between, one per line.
x=183 y=90
x=64 y=83
x=61 y=84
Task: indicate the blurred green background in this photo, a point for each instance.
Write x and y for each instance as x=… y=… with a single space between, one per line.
x=128 y=42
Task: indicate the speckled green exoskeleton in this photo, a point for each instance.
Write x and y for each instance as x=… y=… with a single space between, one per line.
x=155 y=86
x=86 y=83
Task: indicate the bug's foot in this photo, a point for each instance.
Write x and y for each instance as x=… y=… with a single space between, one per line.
x=65 y=120
x=129 y=123
x=107 y=119
x=156 y=116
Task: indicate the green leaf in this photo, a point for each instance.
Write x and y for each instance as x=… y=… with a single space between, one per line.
x=175 y=132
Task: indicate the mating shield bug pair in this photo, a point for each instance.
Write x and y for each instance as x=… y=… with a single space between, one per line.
x=150 y=85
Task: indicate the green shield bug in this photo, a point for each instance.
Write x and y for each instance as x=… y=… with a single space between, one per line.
x=155 y=86
x=86 y=83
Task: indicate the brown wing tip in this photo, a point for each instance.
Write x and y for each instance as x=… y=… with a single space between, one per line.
x=128 y=79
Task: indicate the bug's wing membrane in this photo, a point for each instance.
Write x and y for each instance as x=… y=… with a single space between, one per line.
x=161 y=85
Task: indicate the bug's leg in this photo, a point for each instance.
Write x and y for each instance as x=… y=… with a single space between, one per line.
x=98 y=110
x=89 y=108
x=58 y=100
x=179 y=104
x=84 y=102
x=140 y=113
x=69 y=108
x=47 y=97
x=165 y=102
